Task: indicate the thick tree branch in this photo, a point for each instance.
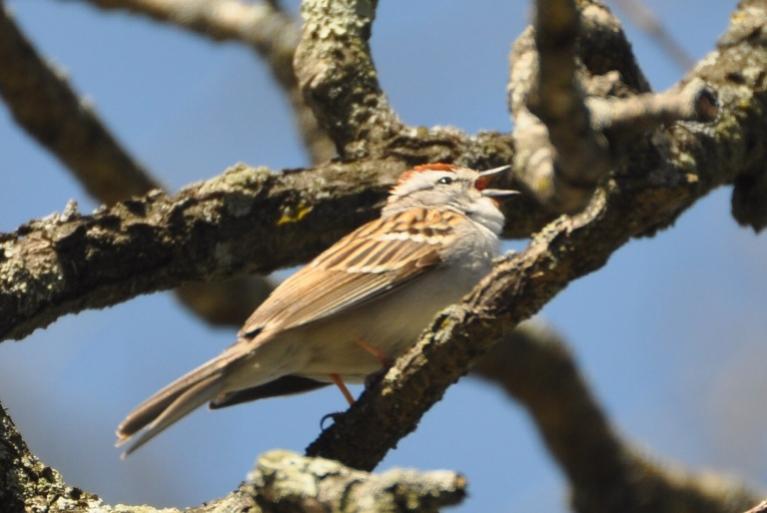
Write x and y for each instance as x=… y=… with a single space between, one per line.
x=563 y=136
x=600 y=61
x=606 y=473
x=659 y=178
x=557 y=99
x=338 y=78
x=266 y=28
x=246 y=220
x=290 y=483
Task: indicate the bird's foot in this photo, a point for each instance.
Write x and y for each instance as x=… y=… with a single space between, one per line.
x=332 y=416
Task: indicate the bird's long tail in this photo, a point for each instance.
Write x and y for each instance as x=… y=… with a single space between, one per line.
x=172 y=403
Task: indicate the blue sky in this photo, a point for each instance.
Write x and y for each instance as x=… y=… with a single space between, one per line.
x=670 y=333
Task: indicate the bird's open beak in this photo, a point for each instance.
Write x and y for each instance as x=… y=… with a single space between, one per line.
x=484 y=177
x=499 y=193
x=494 y=171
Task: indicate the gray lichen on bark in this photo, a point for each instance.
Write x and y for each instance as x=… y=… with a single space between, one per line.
x=252 y=220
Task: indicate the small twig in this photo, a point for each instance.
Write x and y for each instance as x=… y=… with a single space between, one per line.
x=646 y=20
x=605 y=472
x=338 y=78
x=694 y=102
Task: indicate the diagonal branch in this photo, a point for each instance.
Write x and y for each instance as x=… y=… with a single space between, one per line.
x=605 y=472
x=643 y=17
x=666 y=175
x=271 y=32
x=45 y=105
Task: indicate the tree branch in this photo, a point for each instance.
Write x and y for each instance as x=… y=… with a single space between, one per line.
x=43 y=103
x=246 y=220
x=563 y=136
x=605 y=472
x=658 y=179
x=270 y=31
x=290 y=483
x=46 y=106
x=695 y=101
x=556 y=98
x=338 y=78
x=600 y=61
x=643 y=17
x=281 y=481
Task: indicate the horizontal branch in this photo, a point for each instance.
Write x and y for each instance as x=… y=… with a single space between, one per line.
x=695 y=101
x=289 y=483
x=246 y=220
x=45 y=105
x=659 y=178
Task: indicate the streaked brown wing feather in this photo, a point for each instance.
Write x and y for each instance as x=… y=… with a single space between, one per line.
x=373 y=260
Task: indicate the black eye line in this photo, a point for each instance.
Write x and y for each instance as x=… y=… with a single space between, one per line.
x=445 y=180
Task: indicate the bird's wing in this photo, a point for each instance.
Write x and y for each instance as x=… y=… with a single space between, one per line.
x=373 y=260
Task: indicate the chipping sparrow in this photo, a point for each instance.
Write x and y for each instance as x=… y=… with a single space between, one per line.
x=356 y=306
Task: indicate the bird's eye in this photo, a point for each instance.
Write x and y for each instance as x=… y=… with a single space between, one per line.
x=445 y=180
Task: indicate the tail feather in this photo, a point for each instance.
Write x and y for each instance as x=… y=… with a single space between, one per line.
x=174 y=401
x=190 y=399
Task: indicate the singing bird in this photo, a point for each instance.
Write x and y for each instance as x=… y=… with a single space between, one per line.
x=355 y=307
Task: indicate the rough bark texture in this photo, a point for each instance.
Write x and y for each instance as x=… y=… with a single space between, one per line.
x=660 y=177
x=337 y=76
x=45 y=105
x=246 y=220
x=252 y=220
x=280 y=482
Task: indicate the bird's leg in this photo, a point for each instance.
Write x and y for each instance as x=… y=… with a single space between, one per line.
x=342 y=387
x=379 y=355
